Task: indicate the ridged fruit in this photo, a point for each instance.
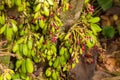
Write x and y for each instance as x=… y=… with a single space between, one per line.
x=23 y=67
x=29 y=65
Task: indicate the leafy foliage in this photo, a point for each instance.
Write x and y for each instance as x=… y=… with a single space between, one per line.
x=105 y=4
x=108 y=31
x=37 y=36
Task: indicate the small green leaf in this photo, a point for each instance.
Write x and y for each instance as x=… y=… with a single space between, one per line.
x=94 y=20
x=95 y=28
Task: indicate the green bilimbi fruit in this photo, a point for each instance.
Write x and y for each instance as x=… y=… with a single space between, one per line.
x=50 y=2
x=62 y=50
x=18 y=64
x=15 y=29
x=41 y=24
x=67 y=36
x=46 y=11
x=2 y=19
x=48 y=72
x=70 y=50
x=3 y=29
x=8 y=76
x=20 y=8
x=56 y=63
x=37 y=8
x=9 y=33
x=55 y=75
x=29 y=65
x=33 y=53
x=25 y=49
x=18 y=2
x=23 y=67
x=16 y=47
x=53 y=48
x=21 y=48
x=15 y=76
x=30 y=44
x=36 y=15
x=41 y=40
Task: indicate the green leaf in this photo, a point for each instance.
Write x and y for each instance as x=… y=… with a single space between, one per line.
x=56 y=63
x=94 y=20
x=108 y=31
x=95 y=28
x=105 y=4
x=48 y=72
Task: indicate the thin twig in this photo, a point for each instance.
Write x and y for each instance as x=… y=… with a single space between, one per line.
x=8 y=54
x=3 y=49
x=1 y=42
